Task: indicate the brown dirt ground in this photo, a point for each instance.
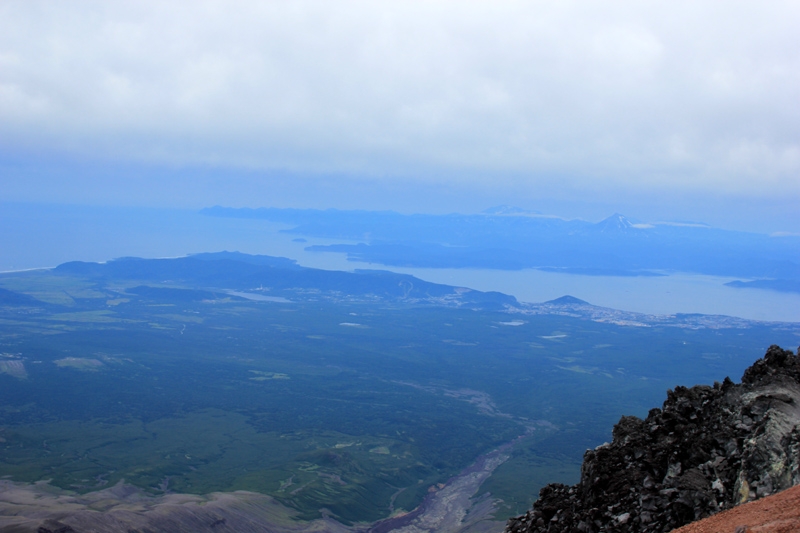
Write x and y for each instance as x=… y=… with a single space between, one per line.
x=779 y=513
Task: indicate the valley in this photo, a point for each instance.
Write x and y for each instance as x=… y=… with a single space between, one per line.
x=354 y=397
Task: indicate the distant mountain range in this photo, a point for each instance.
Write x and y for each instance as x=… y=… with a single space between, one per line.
x=508 y=238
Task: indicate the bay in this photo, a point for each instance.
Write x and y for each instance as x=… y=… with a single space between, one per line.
x=41 y=235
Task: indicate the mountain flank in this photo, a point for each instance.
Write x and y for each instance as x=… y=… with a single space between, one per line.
x=779 y=513
x=706 y=450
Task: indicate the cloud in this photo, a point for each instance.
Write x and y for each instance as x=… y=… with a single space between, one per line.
x=640 y=95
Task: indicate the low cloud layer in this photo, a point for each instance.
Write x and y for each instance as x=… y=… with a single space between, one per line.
x=645 y=96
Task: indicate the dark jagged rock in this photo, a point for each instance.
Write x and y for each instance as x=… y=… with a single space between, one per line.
x=706 y=450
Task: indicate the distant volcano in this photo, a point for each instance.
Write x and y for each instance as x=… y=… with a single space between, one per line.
x=567 y=300
x=616 y=223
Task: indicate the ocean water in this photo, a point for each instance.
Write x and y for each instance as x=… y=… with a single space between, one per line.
x=36 y=235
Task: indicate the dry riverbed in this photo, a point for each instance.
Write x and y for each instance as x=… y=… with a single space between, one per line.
x=450 y=508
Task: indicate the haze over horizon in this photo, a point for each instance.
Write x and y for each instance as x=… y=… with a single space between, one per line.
x=659 y=111
x=313 y=266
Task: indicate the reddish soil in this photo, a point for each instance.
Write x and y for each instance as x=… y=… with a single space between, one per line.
x=779 y=513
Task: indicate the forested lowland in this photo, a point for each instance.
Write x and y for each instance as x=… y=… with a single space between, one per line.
x=355 y=393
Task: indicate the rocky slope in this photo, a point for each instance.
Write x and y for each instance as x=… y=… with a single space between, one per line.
x=708 y=449
x=779 y=513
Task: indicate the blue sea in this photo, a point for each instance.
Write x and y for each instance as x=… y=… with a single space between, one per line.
x=37 y=235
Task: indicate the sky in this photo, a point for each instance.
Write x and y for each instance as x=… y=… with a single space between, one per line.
x=674 y=110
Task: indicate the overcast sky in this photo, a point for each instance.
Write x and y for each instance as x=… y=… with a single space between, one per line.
x=684 y=109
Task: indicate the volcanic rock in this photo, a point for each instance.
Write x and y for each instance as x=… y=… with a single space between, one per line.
x=706 y=450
